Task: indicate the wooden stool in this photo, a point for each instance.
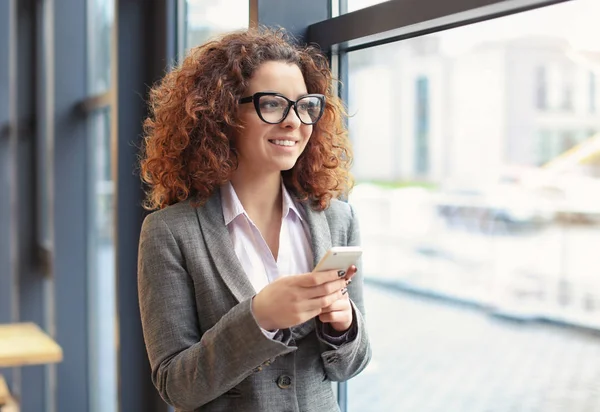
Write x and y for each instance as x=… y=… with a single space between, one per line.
x=24 y=344
x=4 y=395
x=10 y=406
x=7 y=403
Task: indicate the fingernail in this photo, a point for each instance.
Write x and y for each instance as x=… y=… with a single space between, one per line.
x=348 y=282
x=341 y=273
x=344 y=291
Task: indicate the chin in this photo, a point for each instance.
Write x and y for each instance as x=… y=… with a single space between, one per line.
x=287 y=166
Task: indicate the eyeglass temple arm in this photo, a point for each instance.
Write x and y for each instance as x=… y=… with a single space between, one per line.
x=246 y=99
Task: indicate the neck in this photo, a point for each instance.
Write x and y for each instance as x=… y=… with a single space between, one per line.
x=260 y=195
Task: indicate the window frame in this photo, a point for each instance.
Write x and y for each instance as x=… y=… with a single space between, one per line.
x=396 y=20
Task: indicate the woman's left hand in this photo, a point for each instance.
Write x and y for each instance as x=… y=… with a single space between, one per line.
x=339 y=313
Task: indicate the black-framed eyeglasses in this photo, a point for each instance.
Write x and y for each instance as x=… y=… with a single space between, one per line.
x=273 y=107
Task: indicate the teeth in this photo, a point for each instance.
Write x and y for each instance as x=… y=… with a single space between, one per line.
x=284 y=142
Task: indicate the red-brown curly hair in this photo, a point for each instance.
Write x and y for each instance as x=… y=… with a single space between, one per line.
x=188 y=142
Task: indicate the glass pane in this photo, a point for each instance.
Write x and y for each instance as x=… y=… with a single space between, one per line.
x=478 y=169
x=205 y=19
x=43 y=153
x=354 y=5
x=100 y=24
x=102 y=276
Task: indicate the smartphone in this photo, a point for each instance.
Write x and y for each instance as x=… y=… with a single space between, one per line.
x=339 y=258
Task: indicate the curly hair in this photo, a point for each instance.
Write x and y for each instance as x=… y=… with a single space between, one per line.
x=188 y=148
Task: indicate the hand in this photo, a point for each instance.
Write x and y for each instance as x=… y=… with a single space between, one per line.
x=339 y=313
x=292 y=300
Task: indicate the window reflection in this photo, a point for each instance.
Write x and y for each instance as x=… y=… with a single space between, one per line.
x=478 y=170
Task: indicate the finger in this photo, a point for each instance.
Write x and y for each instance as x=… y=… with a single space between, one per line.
x=325 y=301
x=313 y=279
x=340 y=304
x=325 y=289
x=350 y=272
x=336 y=317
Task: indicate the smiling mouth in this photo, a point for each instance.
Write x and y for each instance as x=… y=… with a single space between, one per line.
x=285 y=143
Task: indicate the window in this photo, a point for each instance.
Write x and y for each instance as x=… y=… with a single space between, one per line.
x=546 y=147
x=541 y=88
x=556 y=87
x=102 y=293
x=44 y=238
x=354 y=5
x=100 y=24
x=592 y=83
x=206 y=19
x=378 y=106
x=422 y=126
x=568 y=140
x=568 y=91
x=101 y=270
x=476 y=217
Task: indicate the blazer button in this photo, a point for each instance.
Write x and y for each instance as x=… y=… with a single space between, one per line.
x=284 y=382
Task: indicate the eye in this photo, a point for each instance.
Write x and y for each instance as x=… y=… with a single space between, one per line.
x=304 y=106
x=270 y=103
x=309 y=105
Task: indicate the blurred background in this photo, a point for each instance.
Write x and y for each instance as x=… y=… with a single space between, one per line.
x=476 y=130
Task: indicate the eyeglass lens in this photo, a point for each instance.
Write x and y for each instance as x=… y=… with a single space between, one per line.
x=273 y=108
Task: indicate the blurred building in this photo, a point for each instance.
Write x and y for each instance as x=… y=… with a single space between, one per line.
x=464 y=118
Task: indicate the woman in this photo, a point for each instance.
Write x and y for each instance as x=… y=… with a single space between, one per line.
x=245 y=154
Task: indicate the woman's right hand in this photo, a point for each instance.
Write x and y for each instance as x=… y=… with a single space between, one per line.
x=292 y=300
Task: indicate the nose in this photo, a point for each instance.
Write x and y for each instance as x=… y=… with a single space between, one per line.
x=291 y=120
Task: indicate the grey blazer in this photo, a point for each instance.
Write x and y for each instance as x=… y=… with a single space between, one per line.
x=206 y=351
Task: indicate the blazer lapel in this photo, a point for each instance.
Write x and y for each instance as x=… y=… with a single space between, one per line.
x=319 y=232
x=220 y=248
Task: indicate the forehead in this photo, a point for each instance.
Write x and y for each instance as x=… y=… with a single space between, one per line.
x=280 y=77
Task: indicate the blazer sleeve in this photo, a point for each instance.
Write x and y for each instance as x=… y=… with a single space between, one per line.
x=351 y=357
x=190 y=368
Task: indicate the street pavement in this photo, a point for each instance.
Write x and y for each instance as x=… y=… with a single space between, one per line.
x=432 y=355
